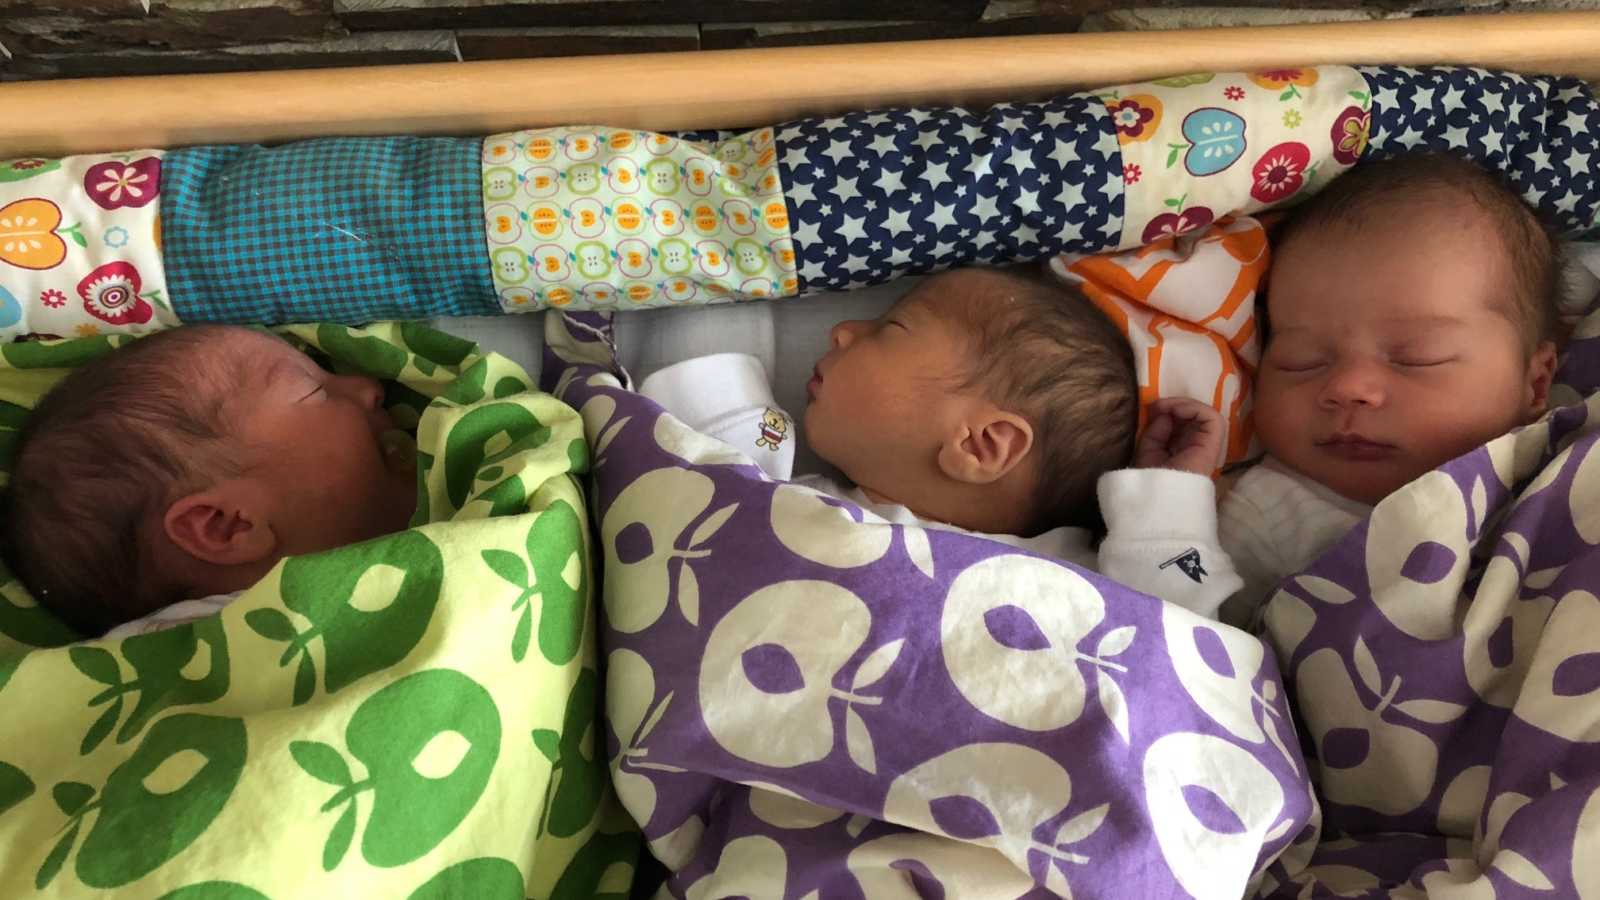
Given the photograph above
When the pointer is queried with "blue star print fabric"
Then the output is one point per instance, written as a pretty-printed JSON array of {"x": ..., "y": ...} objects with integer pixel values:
[
  {"x": 1540, "y": 132},
  {"x": 873, "y": 196}
]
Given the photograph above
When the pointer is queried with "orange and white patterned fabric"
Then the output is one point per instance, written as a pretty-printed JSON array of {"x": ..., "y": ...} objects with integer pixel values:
[{"x": 1188, "y": 306}]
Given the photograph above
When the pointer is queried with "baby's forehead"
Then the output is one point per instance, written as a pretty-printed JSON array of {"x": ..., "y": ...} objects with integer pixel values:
[
  {"x": 1423, "y": 234},
  {"x": 965, "y": 297},
  {"x": 251, "y": 359},
  {"x": 264, "y": 344},
  {"x": 1441, "y": 216}
]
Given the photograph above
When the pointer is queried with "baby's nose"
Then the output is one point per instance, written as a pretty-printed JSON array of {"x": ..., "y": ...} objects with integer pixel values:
[
  {"x": 1354, "y": 385},
  {"x": 844, "y": 332},
  {"x": 365, "y": 391}
]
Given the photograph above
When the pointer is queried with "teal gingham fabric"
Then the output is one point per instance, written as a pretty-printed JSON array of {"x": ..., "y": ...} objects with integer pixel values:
[{"x": 335, "y": 230}]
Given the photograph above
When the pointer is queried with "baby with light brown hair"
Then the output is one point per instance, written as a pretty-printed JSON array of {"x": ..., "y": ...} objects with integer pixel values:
[
  {"x": 985, "y": 399},
  {"x": 994, "y": 403}
]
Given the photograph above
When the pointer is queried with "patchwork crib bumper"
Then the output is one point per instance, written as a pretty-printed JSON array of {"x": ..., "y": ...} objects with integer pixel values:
[
  {"x": 357, "y": 229},
  {"x": 409, "y": 717}
]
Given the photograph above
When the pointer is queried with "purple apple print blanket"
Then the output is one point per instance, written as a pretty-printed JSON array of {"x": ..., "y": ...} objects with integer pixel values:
[
  {"x": 806, "y": 701},
  {"x": 1444, "y": 663}
]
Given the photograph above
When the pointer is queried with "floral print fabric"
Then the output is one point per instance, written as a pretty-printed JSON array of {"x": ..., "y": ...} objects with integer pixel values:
[
  {"x": 80, "y": 246},
  {"x": 1198, "y": 147}
]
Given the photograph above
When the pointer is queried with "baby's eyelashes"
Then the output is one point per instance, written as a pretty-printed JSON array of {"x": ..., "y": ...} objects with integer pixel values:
[
  {"x": 1296, "y": 365},
  {"x": 1412, "y": 356},
  {"x": 311, "y": 387}
]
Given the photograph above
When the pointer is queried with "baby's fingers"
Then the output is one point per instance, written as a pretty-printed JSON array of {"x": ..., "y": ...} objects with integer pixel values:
[
  {"x": 1167, "y": 406},
  {"x": 1159, "y": 428},
  {"x": 1190, "y": 410},
  {"x": 1158, "y": 432}
]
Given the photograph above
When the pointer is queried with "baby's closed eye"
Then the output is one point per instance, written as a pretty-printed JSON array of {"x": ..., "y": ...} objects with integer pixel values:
[
  {"x": 312, "y": 387},
  {"x": 1422, "y": 356}
]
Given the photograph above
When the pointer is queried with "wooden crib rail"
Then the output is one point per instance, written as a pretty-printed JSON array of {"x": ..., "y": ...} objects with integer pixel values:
[{"x": 734, "y": 88}]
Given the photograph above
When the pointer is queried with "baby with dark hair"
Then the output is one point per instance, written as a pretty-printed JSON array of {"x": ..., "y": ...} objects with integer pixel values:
[
  {"x": 1410, "y": 318},
  {"x": 183, "y": 466}
]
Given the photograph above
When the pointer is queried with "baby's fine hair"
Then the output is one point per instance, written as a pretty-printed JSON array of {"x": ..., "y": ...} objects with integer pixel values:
[
  {"x": 1046, "y": 352},
  {"x": 1375, "y": 190},
  {"x": 98, "y": 462}
]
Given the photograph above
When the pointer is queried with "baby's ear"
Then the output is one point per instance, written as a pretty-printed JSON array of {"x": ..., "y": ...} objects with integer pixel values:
[
  {"x": 1541, "y": 372},
  {"x": 986, "y": 446},
  {"x": 220, "y": 525}
]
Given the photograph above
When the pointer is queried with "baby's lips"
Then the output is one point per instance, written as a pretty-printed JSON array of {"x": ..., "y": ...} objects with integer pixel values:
[{"x": 399, "y": 450}]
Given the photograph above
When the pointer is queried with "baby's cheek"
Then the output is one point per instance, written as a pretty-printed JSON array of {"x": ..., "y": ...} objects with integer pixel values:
[
  {"x": 1274, "y": 418},
  {"x": 1459, "y": 438},
  {"x": 832, "y": 437}
]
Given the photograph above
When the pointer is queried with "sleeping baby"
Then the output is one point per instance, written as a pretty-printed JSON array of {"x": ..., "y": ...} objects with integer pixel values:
[
  {"x": 986, "y": 402},
  {"x": 1410, "y": 315},
  {"x": 176, "y": 471}
]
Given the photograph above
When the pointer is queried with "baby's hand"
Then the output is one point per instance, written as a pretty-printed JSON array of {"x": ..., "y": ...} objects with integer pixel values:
[{"x": 1182, "y": 434}]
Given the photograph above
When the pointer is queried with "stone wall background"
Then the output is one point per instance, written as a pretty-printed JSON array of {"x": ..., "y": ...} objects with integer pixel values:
[{"x": 78, "y": 38}]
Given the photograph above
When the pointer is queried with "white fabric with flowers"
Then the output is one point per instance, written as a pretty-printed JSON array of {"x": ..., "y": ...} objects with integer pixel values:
[
  {"x": 1198, "y": 147},
  {"x": 80, "y": 246}
]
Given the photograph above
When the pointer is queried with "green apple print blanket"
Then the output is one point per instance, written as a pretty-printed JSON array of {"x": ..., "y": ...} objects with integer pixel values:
[{"x": 409, "y": 717}]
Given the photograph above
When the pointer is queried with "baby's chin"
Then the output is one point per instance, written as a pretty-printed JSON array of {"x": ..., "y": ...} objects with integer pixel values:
[
  {"x": 817, "y": 437},
  {"x": 397, "y": 512},
  {"x": 400, "y": 501},
  {"x": 1366, "y": 482}
]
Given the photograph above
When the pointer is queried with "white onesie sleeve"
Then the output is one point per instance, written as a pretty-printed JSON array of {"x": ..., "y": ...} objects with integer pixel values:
[
  {"x": 727, "y": 396},
  {"x": 1162, "y": 538}
]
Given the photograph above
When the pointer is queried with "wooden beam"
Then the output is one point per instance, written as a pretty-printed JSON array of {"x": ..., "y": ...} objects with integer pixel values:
[{"x": 736, "y": 88}]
